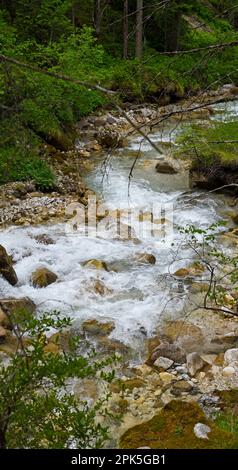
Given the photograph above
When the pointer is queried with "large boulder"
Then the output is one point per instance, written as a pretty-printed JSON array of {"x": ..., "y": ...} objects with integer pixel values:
[
  {"x": 43, "y": 277},
  {"x": 185, "y": 334},
  {"x": 6, "y": 269},
  {"x": 15, "y": 307},
  {"x": 166, "y": 166}
]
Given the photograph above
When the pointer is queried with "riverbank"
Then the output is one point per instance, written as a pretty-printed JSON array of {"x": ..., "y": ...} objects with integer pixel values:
[{"x": 101, "y": 134}]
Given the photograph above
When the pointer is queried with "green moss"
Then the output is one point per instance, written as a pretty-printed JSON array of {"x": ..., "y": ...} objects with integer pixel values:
[{"x": 173, "y": 428}]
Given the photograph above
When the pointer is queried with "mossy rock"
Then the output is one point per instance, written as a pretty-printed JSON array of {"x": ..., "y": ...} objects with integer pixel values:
[{"x": 173, "y": 428}]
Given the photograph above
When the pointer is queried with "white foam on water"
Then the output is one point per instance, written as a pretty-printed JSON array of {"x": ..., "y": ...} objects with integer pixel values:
[{"x": 139, "y": 294}]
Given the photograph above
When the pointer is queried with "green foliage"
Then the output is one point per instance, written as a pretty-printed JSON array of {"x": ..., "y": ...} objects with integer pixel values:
[
  {"x": 227, "y": 422},
  {"x": 37, "y": 408},
  {"x": 58, "y": 35},
  {"x": 207, "y": 145},
  {"x": 220, "y": 267},
  {"x": 18, "y": 166}
]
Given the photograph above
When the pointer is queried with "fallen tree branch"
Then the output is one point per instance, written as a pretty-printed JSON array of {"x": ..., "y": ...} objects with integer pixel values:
[
  {"x": 199, "y": 49},
  {"x": 59, "y": 76},
  {"x": 222, "y": 141}
]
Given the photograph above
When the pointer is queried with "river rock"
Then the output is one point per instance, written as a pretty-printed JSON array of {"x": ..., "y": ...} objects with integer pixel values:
[
  {"x": 44, "y": 239},
  {"x": 163, "y": 363},
  {"x": 145, "y": 258},
  {"x": 229, "y": 339},
  {"x": 165, "y": 168},
  {"x": 43, "y": 277},
  {"x": 168, "y": 350},
  {"x": 231, "y": 357},
  {"x": 194, "y": 363},
  {"x": 95, "y": 328},
  {"x": 99, "y": 287},
  {"x": 6, "y": 269},
  {"x": 182, "y": 386},
  {"x": 166, "y": 378},
  {"x": 228, "y": 371},
  {"x": 96, "y": 264},
  {"x": 201, "y": 431},
  {"x": 182, "y": 272},
  {"x": 21, "y": 307},
  {"x": 185, "y": 334},
  {"x": 109, "y": 138},
  {"x": 3, "y": 334},
  {"x": 196, "y": 269}
]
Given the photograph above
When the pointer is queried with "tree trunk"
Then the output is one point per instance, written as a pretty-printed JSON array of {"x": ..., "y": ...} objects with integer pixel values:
[
  {"x": 125, "y": 30},
  {"x": 97, "y": 16},
  {"x": 139, "y": 29}
]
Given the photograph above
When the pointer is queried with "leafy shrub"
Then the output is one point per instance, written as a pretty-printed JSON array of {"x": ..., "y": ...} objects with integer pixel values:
[
  {"x": 37, "y": 408},
  {"x": 18, "y": 166}
]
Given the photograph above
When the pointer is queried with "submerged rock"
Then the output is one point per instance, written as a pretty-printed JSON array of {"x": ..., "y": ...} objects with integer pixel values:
[
  {"x": 43, "y": 277},
  {"x": 44, "y": 239},
  {"x": 6, "y": 269}
]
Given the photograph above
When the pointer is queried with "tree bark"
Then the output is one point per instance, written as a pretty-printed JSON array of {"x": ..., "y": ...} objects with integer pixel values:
[
  {"x": 125, "y": 30},
  {"x": 139, "y": 29},
  {"x": 97, "y": 16}
]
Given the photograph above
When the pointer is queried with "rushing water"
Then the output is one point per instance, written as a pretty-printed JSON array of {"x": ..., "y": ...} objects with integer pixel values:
[{"x": 139, "y": 293}]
